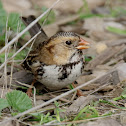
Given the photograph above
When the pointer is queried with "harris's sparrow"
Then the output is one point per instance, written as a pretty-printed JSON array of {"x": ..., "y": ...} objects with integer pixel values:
[{"x": 56, "y": 61}]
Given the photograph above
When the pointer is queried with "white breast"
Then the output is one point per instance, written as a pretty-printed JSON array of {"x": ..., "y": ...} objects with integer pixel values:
[{"x": 56, "y": 77}]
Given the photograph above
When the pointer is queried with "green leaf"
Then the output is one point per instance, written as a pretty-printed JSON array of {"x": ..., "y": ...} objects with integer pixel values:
[
  {"x": 71, "y": 86},
  {"x": 80, "y": 113},
  {"x": 116, "y": 30},
  {"x": 13, "y": 21},
  {"x": 87, "y": 110},
  {"x": 89, "y": 15},
  {"x": 108, "y": 113},
  {"x": 21, "y": 55},
  {"x": 19, "y": 100},
  {"x": 110, "y": 103},
  {"x": 3, "y": 104},
  {"x": 124, "y": 93},
  {"x": 117, "y": 98},
  {"x": 42, "y": 117},
  {"x": 122, "y": 96},
  {"x": 88, "y": 58},
  {"x": 37, "y": 116}
]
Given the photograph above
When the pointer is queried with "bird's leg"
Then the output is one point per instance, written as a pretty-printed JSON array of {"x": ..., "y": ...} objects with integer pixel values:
[
  {"x": 29, "y": 91},
  {"x": 79, "y": 92}
]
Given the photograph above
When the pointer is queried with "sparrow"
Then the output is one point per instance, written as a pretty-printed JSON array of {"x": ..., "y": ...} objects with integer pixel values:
[{"x": 56, "y": 61}]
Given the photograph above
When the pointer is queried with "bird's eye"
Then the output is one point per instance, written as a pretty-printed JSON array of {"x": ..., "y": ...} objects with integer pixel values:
[{"x": 68, "y": 42}]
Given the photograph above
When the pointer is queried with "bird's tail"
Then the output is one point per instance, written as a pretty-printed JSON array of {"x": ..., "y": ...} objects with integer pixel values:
[{"x": 35, "y": 29}]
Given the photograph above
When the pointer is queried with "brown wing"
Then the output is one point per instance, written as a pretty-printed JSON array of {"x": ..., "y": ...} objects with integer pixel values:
[
  {"x": 30, "y": 60},
  {"x": 39, "y": 42}
]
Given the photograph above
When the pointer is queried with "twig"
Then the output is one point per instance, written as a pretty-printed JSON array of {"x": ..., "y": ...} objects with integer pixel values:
[
  {"x": 28, "y": 27},
  {"x": 30, "y": 86},
  {"x": 73, "y": 97},
  {"x": 5, "y": 66},
  {"x": 6, "y": 56},
  {"x": 48, "y": 124},
  {"x": 98, "y": 89},
  {"x": 54, "y": 99},
  {"x": 20, "y": 49},
  {"x": 62, "y": 99},
  {"x": 58, "y": 91},
  {"x": 12, "y": 64},
  {"x": 25, "y": 123}
]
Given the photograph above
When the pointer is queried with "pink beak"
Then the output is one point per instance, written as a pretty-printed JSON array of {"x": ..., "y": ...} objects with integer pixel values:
[{"x": 83, "y": 44}]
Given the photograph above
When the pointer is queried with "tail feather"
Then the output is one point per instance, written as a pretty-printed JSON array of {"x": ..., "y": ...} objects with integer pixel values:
[{"x": 35, "y": 29}]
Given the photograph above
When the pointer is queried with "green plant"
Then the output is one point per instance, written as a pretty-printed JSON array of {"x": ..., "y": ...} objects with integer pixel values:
[
  {"x": 118, "y": 11},
  {"x": 3, "y": 104},
  {"x": 16, "y": 100},
  {"x": 57, "y": 111},
  {"x": 87, "y": 112},
  {"x": 116, "y": 30},
  {"x": 85, "y": 6},
  {"x": 71, "y": 86},
  {"x": 122, "y": 96},
  {"x": 88, "y": 58},
  {"x": 111, "y": 104},
  {"x": 42, "y": 118},
  {"x": 13, "y": 21},
  {"x": 45, "y": 118},
  {"x": 19, "y": 56}
]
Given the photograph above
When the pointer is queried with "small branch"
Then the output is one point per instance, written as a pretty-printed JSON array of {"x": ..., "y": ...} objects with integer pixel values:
[{"x": 20, "y": 50}]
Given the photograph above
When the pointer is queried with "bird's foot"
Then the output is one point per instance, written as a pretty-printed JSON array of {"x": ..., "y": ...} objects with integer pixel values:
[
  {"x": 29, "y": 92},
  {"x": 79, "y": 92}
]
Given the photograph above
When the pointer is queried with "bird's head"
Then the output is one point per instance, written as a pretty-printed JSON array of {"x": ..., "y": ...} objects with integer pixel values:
[
  {"x": 63, "y": 45},
  {"x": 67, "y": 40}
]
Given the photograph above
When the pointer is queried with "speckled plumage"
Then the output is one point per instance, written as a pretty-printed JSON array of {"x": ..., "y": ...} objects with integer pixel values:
[
  {"x": 56, "y": 62},
  {"x": 55, "y": 77}
]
